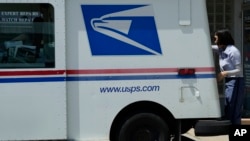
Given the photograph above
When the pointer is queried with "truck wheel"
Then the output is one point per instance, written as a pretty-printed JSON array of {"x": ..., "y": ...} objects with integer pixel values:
[
  {"x": 144, "y": 127},
  {"x": 186, "y": 125}
]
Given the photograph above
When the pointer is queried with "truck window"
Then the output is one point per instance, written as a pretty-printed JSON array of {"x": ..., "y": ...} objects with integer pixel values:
[{"x": 27, "y": 35}]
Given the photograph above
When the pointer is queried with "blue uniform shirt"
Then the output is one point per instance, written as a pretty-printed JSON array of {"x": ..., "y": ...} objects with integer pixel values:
[{"x": 230, "y": 60}]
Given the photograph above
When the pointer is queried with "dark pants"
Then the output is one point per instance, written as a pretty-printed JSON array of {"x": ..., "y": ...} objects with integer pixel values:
[{"x": 234, "y": 95}]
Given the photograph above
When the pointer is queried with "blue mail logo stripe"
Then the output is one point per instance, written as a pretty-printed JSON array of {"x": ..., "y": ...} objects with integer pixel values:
[{"x": 121, "y": 29}]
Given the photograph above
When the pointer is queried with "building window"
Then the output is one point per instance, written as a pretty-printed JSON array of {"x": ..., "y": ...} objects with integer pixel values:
[
  {"x": 26, "y": 35},
  {"x": 220, "y": 15}
]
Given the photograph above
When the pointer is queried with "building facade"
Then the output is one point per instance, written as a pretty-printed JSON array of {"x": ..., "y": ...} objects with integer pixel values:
[{"x": 234, "y": 15}]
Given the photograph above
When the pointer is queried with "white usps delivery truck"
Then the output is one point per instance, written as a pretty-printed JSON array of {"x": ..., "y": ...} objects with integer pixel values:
[{"x": 104, "y": 70}]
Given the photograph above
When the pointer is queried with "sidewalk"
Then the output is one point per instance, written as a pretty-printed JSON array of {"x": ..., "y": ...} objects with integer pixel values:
[{"x": 190, "y": 134}]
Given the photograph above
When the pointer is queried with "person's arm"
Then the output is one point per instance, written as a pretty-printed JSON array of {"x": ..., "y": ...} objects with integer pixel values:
[
  {"x": 235, "y": 71},
  {"x": 215, "y": 48}
]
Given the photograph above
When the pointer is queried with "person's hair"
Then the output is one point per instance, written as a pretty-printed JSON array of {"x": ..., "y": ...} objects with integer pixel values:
[{"x": 224, "y": 37}]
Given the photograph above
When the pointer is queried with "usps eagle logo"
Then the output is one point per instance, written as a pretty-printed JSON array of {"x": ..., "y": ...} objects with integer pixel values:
[{"x": 121, "y": 29}]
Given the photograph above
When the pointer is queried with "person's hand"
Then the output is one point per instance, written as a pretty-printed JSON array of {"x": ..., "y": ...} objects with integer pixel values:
[{"x": 221, "y": 76}]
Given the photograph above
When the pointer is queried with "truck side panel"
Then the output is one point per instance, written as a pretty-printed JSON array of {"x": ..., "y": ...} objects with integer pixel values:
[{"x": 131, "y": 51}]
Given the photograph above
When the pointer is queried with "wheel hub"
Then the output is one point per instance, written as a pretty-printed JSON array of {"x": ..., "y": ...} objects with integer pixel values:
[{"x": 144, "y": 135}]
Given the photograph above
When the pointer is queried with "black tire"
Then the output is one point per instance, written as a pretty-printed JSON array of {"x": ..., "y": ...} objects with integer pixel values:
[
  {"x": 187, "y": 125},
  {"x": 144, "y": 127}
]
